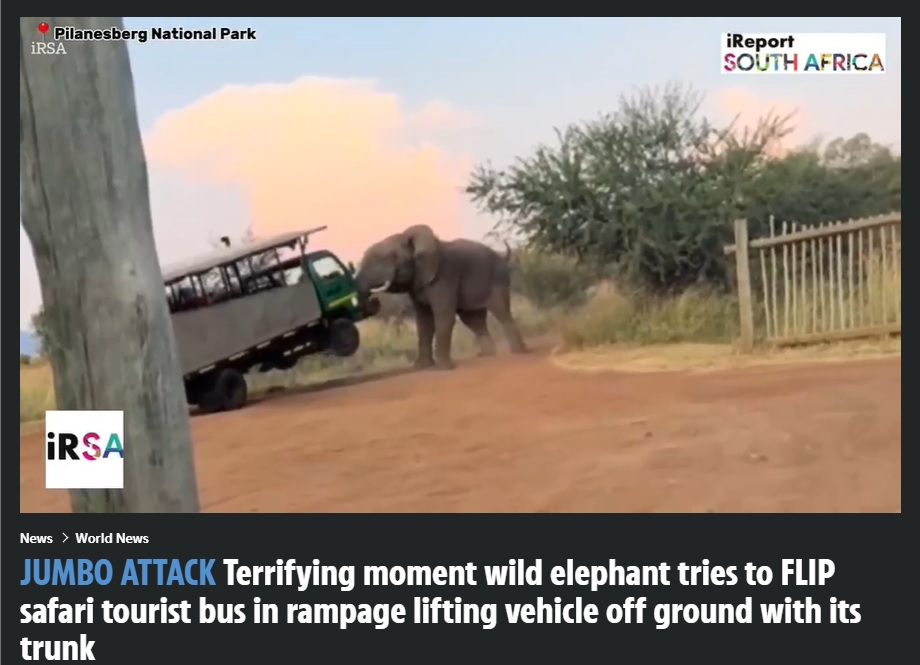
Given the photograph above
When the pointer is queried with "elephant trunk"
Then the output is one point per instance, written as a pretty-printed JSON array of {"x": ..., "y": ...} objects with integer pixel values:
[
  {"x": 366, "y": 289},
  {"x": 373, "y": 277},
  {"x": 367, "y": 304}
]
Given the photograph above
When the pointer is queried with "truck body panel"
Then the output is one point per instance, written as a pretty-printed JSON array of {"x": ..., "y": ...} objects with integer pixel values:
[{"x": 212, "y": 334}]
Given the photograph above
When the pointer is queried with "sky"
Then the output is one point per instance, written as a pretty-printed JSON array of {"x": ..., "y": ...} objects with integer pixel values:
[{"x": 369, "y": 125}]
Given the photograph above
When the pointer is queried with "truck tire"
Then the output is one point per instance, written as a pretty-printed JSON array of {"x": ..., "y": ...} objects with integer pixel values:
[
  {"x": 344, "y": 338},
  {"x": 228, "y": 392},
  {"x": 192, "y": 392}
]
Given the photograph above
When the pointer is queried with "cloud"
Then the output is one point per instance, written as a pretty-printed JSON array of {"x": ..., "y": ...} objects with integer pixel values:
[
  {"x": 440, "y": 115},
  {"x": 749, "y": 107},
  {"x": 322, "y": 151}
]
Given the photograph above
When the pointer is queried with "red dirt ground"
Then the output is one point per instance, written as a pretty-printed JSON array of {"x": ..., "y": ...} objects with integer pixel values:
[{"x": 517, "y": 434}]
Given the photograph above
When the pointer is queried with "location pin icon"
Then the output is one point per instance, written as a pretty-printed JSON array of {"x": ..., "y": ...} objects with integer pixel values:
[{"x": 42, "y": 29}]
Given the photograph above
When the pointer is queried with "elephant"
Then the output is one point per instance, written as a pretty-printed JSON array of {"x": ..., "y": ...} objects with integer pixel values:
[
  {"x": 444, "y": 279},
  {"x": 395, "y": 309}
]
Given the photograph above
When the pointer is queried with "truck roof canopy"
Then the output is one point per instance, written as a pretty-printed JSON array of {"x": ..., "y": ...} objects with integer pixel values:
[{"x": 232, "y": 254}]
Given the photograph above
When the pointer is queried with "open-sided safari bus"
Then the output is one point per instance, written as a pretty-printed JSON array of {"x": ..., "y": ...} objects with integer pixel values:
[{"x": 260, "y": 305}]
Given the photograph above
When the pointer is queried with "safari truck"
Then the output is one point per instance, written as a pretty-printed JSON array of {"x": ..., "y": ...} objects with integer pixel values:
[{"x": 261, "y": 305}]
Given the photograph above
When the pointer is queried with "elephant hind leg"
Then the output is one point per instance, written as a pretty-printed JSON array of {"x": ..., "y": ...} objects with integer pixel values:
[
  {"x": 500, "y": 305},
  {"x": 476, "y": 321}
]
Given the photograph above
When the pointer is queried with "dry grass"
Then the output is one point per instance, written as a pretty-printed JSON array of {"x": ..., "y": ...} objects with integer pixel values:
[
  {"x": 384, "y": 347},
  {"x": 36, "y": 391},
  {"x": 608, "y": 330},
  {"x": 695, "y": 331},
  {"x": 614, "y": 317},
  {"x": 862, "y": 293}
]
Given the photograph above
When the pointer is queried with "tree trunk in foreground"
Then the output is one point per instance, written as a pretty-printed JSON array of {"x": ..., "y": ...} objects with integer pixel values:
[{"x": 85, "y": 207}]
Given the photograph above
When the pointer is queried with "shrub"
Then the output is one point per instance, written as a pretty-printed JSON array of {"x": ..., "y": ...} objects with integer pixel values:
[
  {"x": 612, "y": 317},
  {"x": 548, "y": 280}
]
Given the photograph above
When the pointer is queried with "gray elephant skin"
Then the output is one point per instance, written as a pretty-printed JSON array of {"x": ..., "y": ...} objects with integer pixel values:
[
  {"x": 395, "y": 309},
  {"x": 444, "y": 280}
]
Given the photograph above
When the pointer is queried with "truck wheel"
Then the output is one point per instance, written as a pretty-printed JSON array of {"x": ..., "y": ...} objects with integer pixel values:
[
  {"x": 228, "y": 392},
  {"x": 344, "y": 338},
  {"x": 192, "y": 393}
]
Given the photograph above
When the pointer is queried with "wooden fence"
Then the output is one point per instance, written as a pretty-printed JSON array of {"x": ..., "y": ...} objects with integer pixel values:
[{"x": 828, "y": 282}]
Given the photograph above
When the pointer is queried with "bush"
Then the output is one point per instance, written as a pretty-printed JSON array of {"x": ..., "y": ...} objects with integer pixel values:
[
  {"x": 650, "y": 190},
  {"x": 42, "y": 332},
  {"x": 550, "y": 280},
  {"x": 24, "y": 359},
  {"x": 612, "y": 317}
]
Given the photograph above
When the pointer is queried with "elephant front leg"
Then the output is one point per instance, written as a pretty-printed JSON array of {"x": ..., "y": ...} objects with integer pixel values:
[
  {"x": 443, "y": 332},
  {"x": 424, "y": 326}
]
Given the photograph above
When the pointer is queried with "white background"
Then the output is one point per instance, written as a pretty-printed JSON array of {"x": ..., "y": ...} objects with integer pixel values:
[
  {"x": 103, "y": 473},
  {"x": 807, "y": 43}
]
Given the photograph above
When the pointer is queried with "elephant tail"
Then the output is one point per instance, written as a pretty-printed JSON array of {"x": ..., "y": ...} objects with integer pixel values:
[{"x": 507, "y": 251}]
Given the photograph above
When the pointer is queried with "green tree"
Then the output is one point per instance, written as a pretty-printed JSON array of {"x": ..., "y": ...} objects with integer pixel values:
[
  {"x": 846, "y": 179},
  {"x": 646, "y": 190},
  {"x": 550, "y": 280},
  {"x": 871, "y": 172},
  {"x": 649, "y": 191},
  {"x": 42, "y": 331}
]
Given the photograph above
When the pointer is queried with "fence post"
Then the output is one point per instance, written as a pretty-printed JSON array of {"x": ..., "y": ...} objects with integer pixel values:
[{"x": 745, "y": 300}]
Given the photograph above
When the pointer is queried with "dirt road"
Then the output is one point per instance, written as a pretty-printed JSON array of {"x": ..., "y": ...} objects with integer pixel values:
[{"x": 517, "y": 434}]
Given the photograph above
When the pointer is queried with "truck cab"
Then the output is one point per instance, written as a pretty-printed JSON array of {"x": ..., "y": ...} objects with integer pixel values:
[{"x": 334, "y": 282}]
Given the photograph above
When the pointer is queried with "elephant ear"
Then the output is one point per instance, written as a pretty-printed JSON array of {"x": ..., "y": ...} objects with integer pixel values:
[{"x": 426, "y": 252}]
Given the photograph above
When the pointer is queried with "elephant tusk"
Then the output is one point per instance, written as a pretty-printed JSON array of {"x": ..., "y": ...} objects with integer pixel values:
[{"x": 383, "y": 287}]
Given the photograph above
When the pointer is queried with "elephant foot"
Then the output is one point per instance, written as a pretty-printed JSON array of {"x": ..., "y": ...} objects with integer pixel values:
[
  {"x": 444, "y": 364},
  {"x": 519, "y": 349},
  {"x": 423, "y": 363},
  {"x": 486, "y": 351}
]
